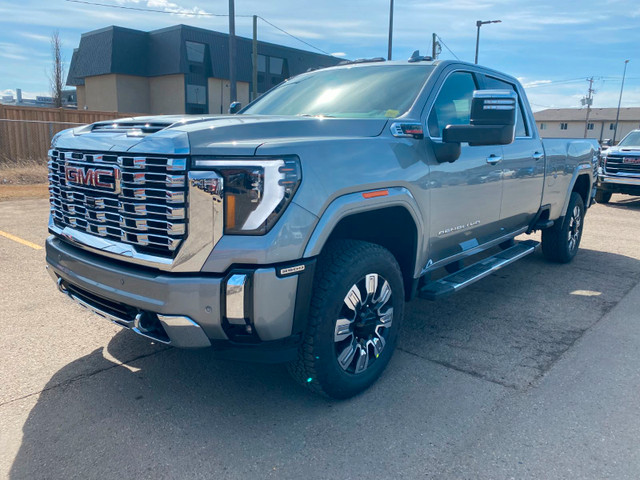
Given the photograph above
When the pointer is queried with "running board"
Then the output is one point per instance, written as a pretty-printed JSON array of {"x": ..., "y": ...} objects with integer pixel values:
[{"x": 471, "y": 274}]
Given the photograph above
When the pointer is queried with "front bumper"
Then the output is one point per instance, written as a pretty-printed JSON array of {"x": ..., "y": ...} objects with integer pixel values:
[
  {"x": 619, "y": 184},
  {"x": 185, "y": 310}
]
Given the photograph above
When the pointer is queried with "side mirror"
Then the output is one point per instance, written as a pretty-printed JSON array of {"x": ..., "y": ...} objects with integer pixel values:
[
  {"x": 493, "y": 120},
  {"x": 234, "y": 107}
]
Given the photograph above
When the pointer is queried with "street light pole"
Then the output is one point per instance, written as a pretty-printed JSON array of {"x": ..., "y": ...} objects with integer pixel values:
[
  {"x": 390, "y": 29},
  {"x": 479, "y": 23},
  {"x": 232, "y": 53},
  {"x": 615, "y": 130}
]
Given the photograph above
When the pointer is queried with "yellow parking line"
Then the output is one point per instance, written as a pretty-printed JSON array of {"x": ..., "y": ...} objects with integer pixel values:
[{"x": 20, "y": 240}]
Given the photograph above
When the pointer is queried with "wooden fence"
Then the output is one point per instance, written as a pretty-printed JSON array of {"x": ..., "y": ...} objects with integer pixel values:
[{"x": 26, "y": 132}]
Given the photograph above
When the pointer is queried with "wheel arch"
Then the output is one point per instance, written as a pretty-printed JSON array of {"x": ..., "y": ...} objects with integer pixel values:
[
  {"x": 582, "y": 183},
  {"x": 392, "y": 221}
]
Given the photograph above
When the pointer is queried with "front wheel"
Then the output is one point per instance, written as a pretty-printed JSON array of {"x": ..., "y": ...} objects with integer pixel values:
[
  {"x": 602, "y": 196},
  {"x": 356, "y": 311},
  {"x": 560, "y": 243}
]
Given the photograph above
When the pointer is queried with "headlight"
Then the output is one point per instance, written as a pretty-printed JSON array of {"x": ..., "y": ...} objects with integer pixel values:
[{"x": 255, "y": 191}]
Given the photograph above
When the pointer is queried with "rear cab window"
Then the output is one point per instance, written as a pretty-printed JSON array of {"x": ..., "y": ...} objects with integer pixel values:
[{"x": 491, "y": 83}]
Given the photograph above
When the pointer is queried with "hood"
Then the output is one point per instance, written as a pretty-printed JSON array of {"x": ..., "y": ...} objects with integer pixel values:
[
  {"x": 622, "y": 150},
  {"x": 210, "y": 135},
  {"x": 243, "y": 134}
]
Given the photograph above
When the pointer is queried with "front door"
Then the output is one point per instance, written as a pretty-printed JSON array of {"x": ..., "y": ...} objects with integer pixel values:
[{"x": 466, "y": 194}]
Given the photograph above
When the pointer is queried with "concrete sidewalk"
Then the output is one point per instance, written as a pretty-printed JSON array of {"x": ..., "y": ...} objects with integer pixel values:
[{"x": 581, "y": 421}]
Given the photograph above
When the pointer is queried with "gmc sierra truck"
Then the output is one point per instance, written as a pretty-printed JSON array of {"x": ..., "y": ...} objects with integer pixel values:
[
  {"x": 619, "y": 171},
  {"x": 295, "y": 230}
]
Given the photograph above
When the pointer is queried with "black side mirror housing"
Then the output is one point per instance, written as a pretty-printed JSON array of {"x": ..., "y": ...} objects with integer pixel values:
[
  {"x": 234, "y": 107},
  {"x": 493, "y": 120}
]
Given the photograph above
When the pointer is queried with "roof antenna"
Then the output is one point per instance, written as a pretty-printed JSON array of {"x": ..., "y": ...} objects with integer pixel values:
[{"x": 415, "y": 57}]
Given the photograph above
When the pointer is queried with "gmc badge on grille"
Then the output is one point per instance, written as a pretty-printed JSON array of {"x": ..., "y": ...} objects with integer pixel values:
[{"x": 104, "y": 178}]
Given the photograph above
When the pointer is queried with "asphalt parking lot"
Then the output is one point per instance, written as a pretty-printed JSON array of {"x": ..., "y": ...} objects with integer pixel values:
[{"x": 533, "y": 372}]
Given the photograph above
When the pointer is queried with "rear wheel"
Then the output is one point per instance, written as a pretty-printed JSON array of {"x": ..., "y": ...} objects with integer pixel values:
[
  {"x": 602, "y": 196},
  {"x": 355, "y": 314},
  {"x": 560, "y": 243}
]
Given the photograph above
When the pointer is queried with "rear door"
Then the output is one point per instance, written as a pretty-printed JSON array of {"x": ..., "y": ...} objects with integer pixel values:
[
  {"x": 522, "y": 166},
  {"x": 466, "y": 194}
]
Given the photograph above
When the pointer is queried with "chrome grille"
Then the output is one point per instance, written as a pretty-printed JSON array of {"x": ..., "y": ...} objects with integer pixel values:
[
  {"x": 615, "y": 164},
  {"x": 142, "y": 202}
]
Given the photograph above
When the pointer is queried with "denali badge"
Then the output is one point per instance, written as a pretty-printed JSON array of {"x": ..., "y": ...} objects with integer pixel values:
[
  {"x": 290, "y": 270},
  {"x": 106, "y": 178}
]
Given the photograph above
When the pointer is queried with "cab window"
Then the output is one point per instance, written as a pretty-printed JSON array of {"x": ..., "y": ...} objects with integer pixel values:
[
  {"x": 493, "y": 83},
  {"x": 453, "y": 104}
]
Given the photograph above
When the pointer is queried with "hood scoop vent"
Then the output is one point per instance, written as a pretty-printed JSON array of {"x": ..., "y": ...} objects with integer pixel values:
[{"x": 132, "y": 129}]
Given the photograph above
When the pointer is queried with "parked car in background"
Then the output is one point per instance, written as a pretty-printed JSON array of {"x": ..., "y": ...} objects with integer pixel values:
[{"x": 619, "y": 170}]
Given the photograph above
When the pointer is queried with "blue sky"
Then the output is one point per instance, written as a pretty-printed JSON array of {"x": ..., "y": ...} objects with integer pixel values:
[{"x": 551, "y": 46}]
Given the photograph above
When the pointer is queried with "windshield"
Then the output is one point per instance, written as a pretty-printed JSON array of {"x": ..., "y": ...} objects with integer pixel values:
[
  {"x": 631, "y": 140},
  {"x": 381, "y": 91}
]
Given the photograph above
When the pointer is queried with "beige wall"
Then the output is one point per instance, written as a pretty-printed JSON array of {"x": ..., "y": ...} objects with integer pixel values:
[
  {"x": 101, "y": 93},
  {"x": 133, "y": 93},
  {"x": 219, "y": 95},
  {"x": 166, "y": 94},
  {"x": 155, "y": 95},
  {"x": 575, "y": 129},
  {"x": 81, "y": 97}
]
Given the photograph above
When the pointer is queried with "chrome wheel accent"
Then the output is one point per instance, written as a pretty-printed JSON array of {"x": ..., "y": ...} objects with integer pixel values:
[
  {"x": 575, "y": 227},
  {"x": 362, "y": 330}
]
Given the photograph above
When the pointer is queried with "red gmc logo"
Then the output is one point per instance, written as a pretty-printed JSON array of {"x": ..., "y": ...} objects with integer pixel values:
[{"x": 93, "y": 177}]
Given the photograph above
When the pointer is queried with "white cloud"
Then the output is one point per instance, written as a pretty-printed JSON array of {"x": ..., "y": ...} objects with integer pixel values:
[
  {"x": 534, "y": 83},
  {"x": 339, "y": 54}
]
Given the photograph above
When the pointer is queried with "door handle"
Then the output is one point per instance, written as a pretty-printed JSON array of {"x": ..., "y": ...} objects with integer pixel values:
[
  {"x": 538, "y": 156},
  {"x": 494, "y": 159}
]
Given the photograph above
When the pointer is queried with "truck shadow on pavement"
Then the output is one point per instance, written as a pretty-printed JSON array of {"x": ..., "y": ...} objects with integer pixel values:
[
  {"x": 185, "y": 414},
  {"x": 625, "y": 202}
]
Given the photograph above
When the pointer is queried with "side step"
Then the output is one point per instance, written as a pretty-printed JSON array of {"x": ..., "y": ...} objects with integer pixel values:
[{"x": 465, "y": 277}]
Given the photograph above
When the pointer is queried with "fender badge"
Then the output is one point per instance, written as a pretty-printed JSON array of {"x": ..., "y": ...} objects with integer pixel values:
[{"x": 289, "y": 270}]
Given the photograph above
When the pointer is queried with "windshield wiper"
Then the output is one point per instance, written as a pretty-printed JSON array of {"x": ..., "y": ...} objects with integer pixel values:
[{"x": 318, "y": 115}]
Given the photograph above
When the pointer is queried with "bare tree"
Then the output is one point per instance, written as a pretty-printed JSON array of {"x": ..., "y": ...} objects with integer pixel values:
[{"x": 56, "y": 77}]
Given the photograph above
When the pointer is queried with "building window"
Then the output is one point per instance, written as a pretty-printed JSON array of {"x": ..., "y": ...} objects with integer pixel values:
[
  {"x": 197, "y": 94},
  {"x": 563, "y": 126},
  {"x": 543, "y": 126},
  {"x": 262, "y": 63},
  {"x": 195, "y": 52},
  {"x": 590, "y": 126},
  {"x": 612, "y": 126},
  {"x": 275, "y": 65}
]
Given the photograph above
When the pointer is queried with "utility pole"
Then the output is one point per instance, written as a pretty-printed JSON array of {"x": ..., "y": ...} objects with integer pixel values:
[
  {"x": 390, "y": 29},
  {"x": 588, "y": 101},
  {"x": 254, "y": 57},
  {"x": 615, "y": 130},
  {"x": 434, "y": 41},
  {"x": 232, "y": 52}
]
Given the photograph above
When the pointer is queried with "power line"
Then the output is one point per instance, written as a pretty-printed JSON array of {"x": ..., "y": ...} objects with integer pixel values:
[
  {"x": 292, "y": 36},
  {"x": 556, "y": 82},
  {"x": 445, "y": 46},
  {"x": 196, "y": 14},
  {"x": 123, "y": 7}
]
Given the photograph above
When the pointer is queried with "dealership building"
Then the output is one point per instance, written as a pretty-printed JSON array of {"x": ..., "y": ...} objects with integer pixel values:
[
  {"x": 179, "y": 69},
  {"x": 570, "y": 122}
]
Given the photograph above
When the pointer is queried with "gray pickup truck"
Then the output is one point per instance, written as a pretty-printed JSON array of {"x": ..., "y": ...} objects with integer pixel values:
[
  {"x": 619, "y": 171},
  {"x": 295, "y": 230}
]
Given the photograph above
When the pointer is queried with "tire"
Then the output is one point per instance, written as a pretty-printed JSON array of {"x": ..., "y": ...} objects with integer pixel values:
[
  {"x": 349, "y": 326},
  {"x": 602, "y": 196},
  {"x": 560, "y": 243}
]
